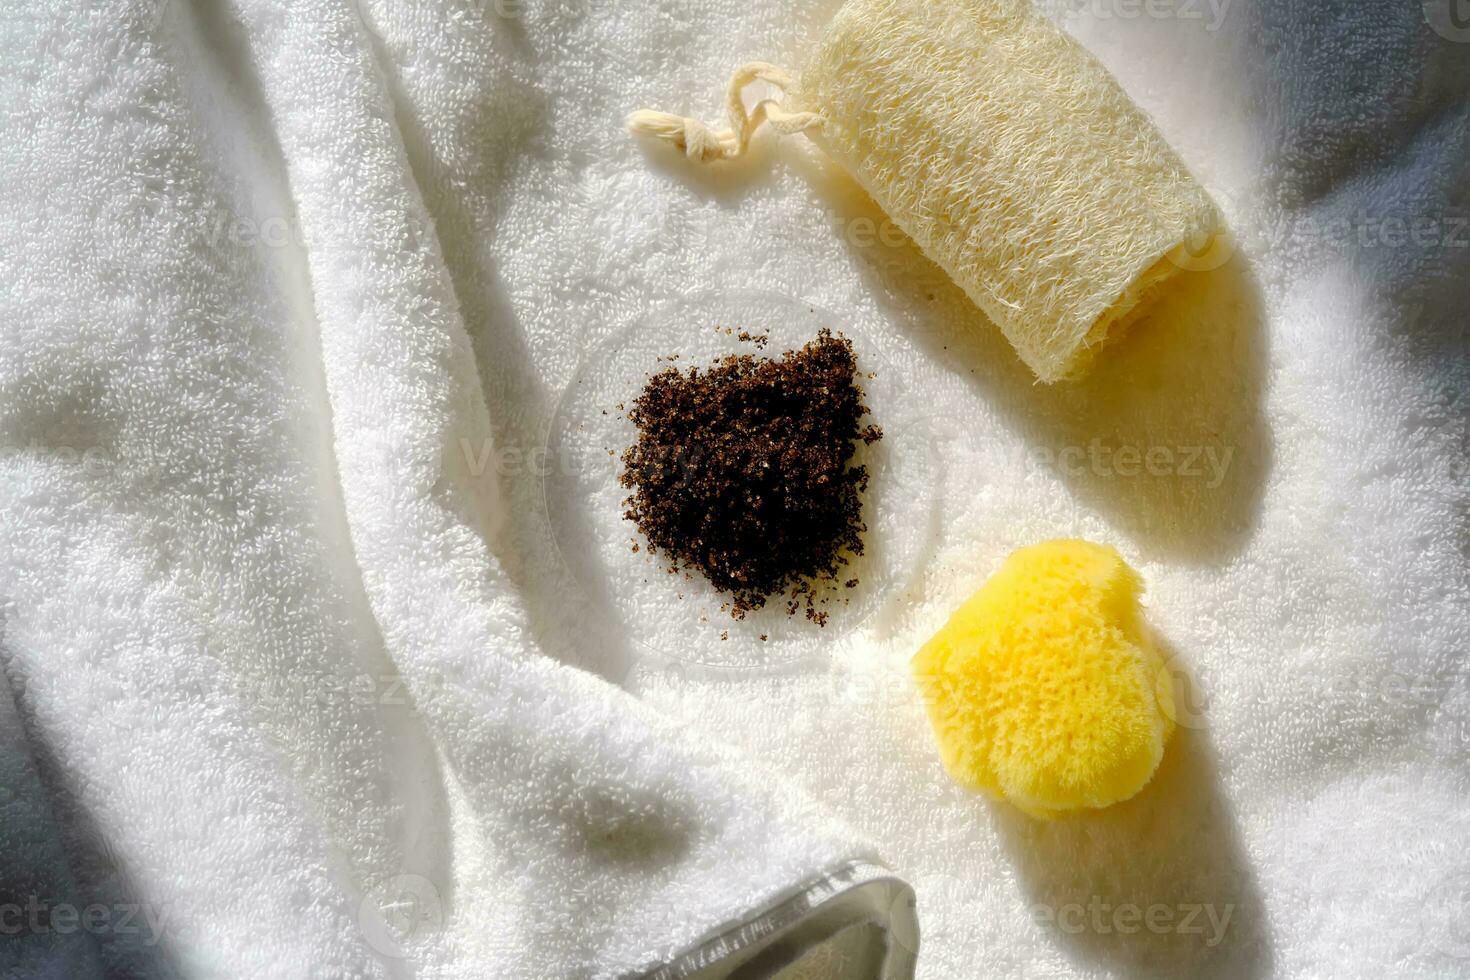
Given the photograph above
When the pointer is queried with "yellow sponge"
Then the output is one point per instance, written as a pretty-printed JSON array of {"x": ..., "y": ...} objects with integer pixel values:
[{"x": 1043, "y": 688}]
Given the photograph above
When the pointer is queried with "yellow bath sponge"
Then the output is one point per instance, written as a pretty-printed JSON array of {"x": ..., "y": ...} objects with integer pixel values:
[{"x": 1043, "y": 688}]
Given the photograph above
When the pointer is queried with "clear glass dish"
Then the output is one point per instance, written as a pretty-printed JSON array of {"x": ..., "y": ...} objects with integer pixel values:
[{"x": 680, "y": 617}]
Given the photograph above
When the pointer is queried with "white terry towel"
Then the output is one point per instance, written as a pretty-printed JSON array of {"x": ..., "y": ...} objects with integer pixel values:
[{"x": 275, "y": 685}]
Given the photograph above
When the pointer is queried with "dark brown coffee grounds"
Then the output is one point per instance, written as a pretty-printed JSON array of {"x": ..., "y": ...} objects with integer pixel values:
[{"x": 743, "y": 471}]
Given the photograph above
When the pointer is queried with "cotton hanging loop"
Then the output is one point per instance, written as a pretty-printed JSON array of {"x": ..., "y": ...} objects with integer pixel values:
[
  {"x": 700, "y": 142},
  {"x": 1002, "y": 148}
]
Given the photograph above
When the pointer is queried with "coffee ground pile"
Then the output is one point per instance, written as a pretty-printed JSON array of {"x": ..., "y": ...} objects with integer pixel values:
[{"x": 743, "y": 472}]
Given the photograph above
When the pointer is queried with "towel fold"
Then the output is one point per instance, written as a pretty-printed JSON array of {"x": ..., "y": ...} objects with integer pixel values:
[{"x": 276, "y": 690}]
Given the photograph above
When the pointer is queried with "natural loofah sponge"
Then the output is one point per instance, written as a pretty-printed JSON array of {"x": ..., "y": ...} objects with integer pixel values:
[
  {"x": 1003, "y": 148},
  {"x": 1044, "y": 689}
]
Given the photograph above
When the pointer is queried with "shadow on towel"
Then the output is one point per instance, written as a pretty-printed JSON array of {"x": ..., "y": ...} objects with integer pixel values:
[
  {"x": 56, "y": 866},
  {"x": 496, "y": 118},
  {"x": 1374, "y": 128},
  {"x": 1158, "y": 885},
  {"x": 1165, "y": 438},
  {"x": 760, "y": 167}
]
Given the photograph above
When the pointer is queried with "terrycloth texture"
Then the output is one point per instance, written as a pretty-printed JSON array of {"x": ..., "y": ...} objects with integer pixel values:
[
  {"x": 1301, "y": 532},
  {"x": 1013, "y": 159},
  {"x": 281, "y": 691},
  {"x": 1044, "y": 688}
]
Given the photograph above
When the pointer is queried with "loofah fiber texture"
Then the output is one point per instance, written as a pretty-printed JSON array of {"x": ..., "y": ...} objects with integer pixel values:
[
  {"x": 1013, "y": 159},
  {"x": 1043, "y": 687}
]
